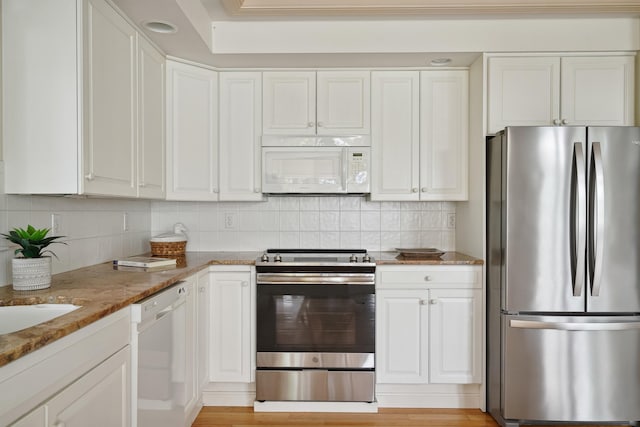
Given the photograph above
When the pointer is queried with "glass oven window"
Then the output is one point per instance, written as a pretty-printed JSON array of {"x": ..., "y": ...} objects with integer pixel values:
[{"x": 318, "y": 318}]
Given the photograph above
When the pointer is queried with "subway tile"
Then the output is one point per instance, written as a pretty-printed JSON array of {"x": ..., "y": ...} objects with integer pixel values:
[
  {"x": 349, "y": 221},
  {"x": 350, "y": 203},
  {"x": 289, "y": 220},
  {"x": 370, "y": 220},
  {"x": 329, "y": 220},
  {"x": 309, "y": 221},
  {"x": 329, "y": 203},
  {"x": 309, "y": 203}
]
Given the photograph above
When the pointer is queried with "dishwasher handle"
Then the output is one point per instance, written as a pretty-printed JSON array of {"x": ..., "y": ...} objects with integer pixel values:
[{"x": 158, "y": 305}]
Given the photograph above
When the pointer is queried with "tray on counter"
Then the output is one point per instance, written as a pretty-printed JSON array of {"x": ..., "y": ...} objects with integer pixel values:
[{"x": 420, "y": 253}]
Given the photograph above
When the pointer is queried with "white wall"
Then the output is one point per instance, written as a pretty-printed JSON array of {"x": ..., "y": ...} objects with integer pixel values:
[
  {"x": 93, "y": 228},
  {"x": 309, "y": 222}
]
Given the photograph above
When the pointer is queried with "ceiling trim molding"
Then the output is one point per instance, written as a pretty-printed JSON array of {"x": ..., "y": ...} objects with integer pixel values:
[{"x": 429, "y": 7}]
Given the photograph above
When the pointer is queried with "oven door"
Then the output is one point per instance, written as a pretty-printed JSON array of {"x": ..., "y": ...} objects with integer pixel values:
[{"x": 316, "y": 325}]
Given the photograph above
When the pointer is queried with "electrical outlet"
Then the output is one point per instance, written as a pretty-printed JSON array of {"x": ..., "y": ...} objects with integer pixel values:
[
  {"x": 230, "y": 221},
  {"x": 451, "y": 220},
  {"x": 125, "y": 221},
  {"x": 55, "y": 224}
]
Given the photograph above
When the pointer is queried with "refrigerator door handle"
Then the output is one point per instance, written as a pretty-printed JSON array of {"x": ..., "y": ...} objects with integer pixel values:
[
  {"x": 578, "y": 219},
  {"x": 597, "y": 219},
  {"x": 574, "y": 326}
]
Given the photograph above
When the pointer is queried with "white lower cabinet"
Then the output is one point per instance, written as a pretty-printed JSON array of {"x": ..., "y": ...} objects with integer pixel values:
[
  {"x": 82, "y": 380},
  {"x": 98, "y": 399},
  {"x": 429, "y": 325},
  {"x": 232, "y": 349}
]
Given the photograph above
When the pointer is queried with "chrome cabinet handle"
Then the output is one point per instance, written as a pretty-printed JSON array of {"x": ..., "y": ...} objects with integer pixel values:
[
  {"x": 556, "y": 122},
  {"x": 414, "y": 190},
  {"x": 320, "y": 124},
  {"x": 565, "y": 121},
  {"x": 424, "y": 189},
  {"x": 424, "y": 302},
  {"x": 427, "y": 278},
  {"x": 311, "y": 124}
]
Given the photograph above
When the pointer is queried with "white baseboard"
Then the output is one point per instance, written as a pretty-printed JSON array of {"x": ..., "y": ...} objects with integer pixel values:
[
  {"x": 387, "y": 396},
  {"x": 428, "y": 396},
  {"x": 360, "y": 407}
]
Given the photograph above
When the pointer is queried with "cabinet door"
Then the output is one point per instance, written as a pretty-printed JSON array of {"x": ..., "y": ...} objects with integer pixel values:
[
  {"x": 344, "y": 102},
  {"x": 597, "y": 91},
  {"x": 444, "y": 117},
  {"x": 240, "y": 131},
  {"x": 230, "y": 343},
  {"x": 100, "y": 398},
  {"x": 289, "y": 103},
  {"x": 203, "y": 328},
  {"x": 523, "y": 92},
  {"x": 151, "y": 126},
  {"x": 455, "y": 325},
  {"x": 402, "y": 336},
  {"x": 395, "y": 135},
  {"x": 35, "y": 418},
  {"x": 109, "y": 102},
  {"x": 192, "y": 154}
]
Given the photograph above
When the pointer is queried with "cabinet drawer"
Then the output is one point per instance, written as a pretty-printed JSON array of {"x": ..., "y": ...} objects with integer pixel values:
[{"x": 432, "y": 277}]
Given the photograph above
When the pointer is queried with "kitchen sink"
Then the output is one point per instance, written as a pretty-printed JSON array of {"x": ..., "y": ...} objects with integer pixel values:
[{"x": 16, "y": 317}]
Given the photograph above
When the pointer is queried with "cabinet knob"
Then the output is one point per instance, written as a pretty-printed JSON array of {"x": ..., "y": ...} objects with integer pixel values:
[
  {"x": 202, "y": 289},
  {"x": 142, "y": 184},
  {"x": 424, "y": 189},
  {"x": 90, "y": 176},
  {"x": 245, "y": 284},
  {"x": 311, "y": 124},
  {"x": 565, "y": 121},
  {"x": 433, "y": 301},
  {"x": 556, "y": 122},
  {"x": 427, "y": 278},
  {"x": 414, "y": 190},
  {"x": 320, "y": 124},
  {"x": 256, "y": 190},
  {"x": 423, "y": 302}
]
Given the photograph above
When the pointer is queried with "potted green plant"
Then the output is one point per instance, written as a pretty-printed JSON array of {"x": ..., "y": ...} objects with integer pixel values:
[{"x": 31, "y": 268}]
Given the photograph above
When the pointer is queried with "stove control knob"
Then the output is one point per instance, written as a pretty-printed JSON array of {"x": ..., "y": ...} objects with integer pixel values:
[
  {"x": 277, "y": 258},
  {"x": 265, "y": 257},
  {"x": 366, "y": 258},
  {"x": 353, "y": 258}
]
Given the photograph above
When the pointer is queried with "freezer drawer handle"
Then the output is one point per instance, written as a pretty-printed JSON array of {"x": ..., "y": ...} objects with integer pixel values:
[{"x": 574, "y": 326}]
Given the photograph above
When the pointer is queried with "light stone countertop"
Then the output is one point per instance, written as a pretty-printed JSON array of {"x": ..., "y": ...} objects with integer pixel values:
[{"x": 101, "y": 290}]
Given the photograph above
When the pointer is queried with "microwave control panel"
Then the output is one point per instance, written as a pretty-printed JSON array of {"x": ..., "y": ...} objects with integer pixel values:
[{"x": 358, "y": 169}]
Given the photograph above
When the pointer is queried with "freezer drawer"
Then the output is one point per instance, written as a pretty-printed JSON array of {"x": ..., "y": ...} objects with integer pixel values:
[{"x": 562, "y": 368}]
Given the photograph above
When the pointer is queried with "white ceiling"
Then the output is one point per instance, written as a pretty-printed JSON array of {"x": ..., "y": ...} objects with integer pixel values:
[{"x": 194, "y": 19}]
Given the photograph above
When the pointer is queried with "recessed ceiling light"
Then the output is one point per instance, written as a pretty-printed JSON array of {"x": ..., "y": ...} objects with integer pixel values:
[
  {"x": 160, "y": 27},
  {"x": 439, "y": 62}
]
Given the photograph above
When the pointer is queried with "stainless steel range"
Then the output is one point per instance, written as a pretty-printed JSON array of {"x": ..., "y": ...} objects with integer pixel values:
[{"x": 316, "y": 325}]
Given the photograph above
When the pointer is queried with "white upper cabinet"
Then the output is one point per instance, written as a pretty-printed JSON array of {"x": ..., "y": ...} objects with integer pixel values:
[
  {"x": 192, "y": 152},
  {"x": 444, "y": 135},
  {"x": 240, "y": 131},
  {"x": 310, "y": 103},
  {"x": 419, "y": 135},
  {"x": 109, "y": 91},
  {"x": 71, "y": 99},
  {"x": 395, "y": 135},
  {"x": 151, "y": 123},
  {"x": 544, "y": 91}
]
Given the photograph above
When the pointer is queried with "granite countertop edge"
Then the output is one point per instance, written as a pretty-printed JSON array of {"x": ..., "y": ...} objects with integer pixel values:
[{"x": 101, "y": 290}]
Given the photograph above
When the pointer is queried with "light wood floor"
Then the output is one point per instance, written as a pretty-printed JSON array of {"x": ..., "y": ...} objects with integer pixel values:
[{"x": 219, "y": 416}]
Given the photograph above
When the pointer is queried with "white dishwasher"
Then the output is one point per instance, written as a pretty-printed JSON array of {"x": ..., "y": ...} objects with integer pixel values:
[{"x": 159, "y": 361}]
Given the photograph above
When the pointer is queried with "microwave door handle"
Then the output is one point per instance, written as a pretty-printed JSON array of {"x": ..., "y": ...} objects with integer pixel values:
[{"x": 345, "y": 170}]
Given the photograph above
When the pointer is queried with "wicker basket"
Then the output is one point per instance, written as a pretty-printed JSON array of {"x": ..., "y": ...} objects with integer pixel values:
[{"x": 168, "y": 248}]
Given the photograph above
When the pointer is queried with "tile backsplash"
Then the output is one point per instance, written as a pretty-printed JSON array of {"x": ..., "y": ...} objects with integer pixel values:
[
  {"x": 93, "y": 228},
  {"x": 309, "y": 222}
]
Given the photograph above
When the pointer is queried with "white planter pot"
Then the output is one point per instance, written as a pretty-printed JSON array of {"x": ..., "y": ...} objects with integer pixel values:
[{"x": 31, "y": 273}]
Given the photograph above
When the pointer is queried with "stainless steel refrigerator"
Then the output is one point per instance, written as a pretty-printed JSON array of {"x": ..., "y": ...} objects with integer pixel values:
[{"x": 563, "y": 275}]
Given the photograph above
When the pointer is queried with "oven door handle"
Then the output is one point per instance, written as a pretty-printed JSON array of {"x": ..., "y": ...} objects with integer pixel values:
[{"x": 316, "y": 278}]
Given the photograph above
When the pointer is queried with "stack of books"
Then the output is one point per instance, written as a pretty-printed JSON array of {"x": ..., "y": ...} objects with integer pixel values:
[{"x": 144, "y": 263}]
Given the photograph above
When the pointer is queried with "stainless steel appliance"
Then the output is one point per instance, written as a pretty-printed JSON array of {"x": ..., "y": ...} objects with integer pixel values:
[
  {"x": 316, "y": 325},
  {"x": 563, "y": 233},
  {"x": 159, "y": 362}
]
